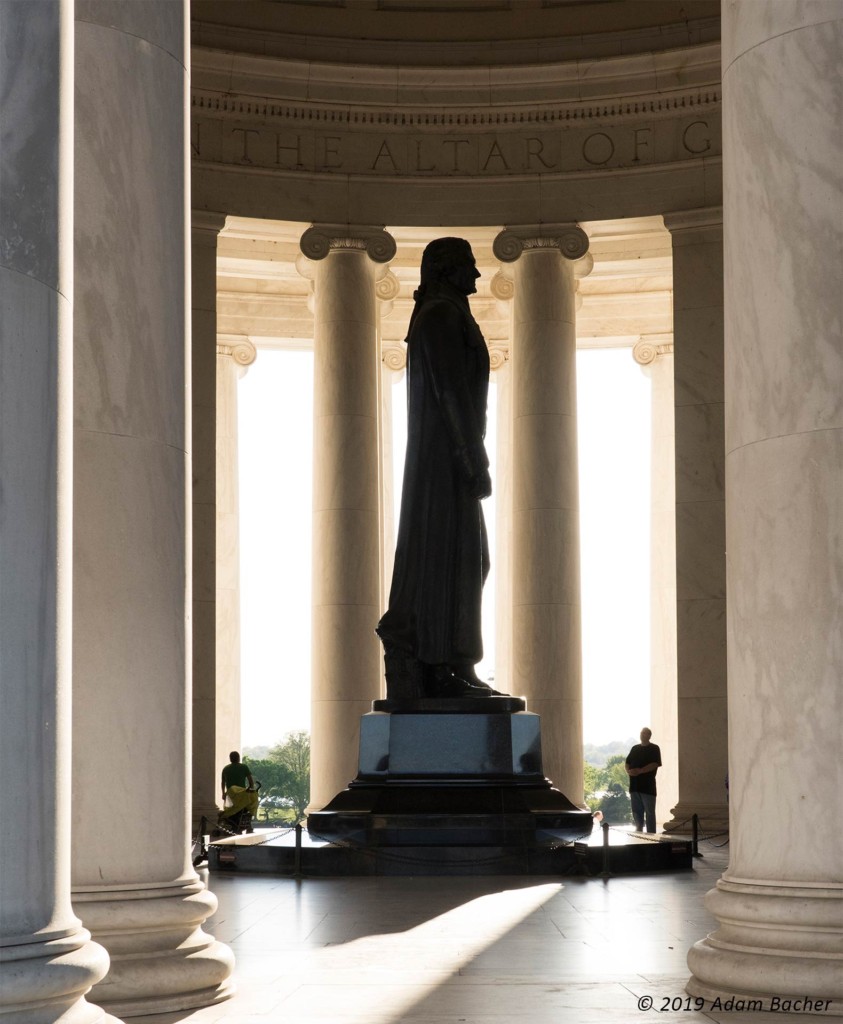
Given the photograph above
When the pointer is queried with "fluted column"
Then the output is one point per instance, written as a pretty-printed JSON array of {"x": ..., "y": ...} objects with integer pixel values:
[
  {"x": 654, "y": 354},
  {"x": 700, "y": 519},
  {"x": 205, "y": 229},
  {"x": 346, "y": 516},
  {"x": 780, "y": 902},
  {"x": 133, "y": 883},
  {"x": 47, "y": 961},
  {"x": 547, "y": 660}
]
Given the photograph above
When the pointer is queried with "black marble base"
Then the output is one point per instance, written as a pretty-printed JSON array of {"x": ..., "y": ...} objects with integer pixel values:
[
  {"x": 458, "y": 780},
  {"x": 452, "y": 705}
]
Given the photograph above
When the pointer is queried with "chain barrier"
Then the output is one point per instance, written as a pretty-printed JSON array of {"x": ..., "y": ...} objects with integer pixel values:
[{"x": 389, "y": 855}]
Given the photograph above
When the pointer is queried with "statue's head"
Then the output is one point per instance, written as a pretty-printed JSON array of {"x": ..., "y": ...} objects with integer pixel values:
[{"x": 451, "y": 260}]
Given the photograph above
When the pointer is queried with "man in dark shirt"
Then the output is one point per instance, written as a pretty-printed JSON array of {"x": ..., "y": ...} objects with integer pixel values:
[{"x": 642, "y": 763}]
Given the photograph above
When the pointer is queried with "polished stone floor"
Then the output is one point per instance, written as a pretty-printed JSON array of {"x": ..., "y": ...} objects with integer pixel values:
[{"x": 485, "y": 950}]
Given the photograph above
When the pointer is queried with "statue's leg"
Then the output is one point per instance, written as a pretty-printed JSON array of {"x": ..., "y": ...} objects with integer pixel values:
[{"x": 404, "y": 674}]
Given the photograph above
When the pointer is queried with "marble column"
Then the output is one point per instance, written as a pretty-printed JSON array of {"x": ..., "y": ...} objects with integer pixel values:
[
  {"x": 502, "y": 288},
  {"x": 547, "y": 640},
  {"x": 133, "y": 882},
  {"x": 235, "y": 354},
  {"x": 780, "y": 902},
  {"x": 47, "y": 961},
  {"x": 205, "y": 229},
  {"x": 654, "y": 354},
  {"x": 346, "y": 661},
  {"x": 700, "y": 519}
]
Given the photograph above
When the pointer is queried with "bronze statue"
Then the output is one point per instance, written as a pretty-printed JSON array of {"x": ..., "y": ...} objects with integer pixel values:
[{"x": 431, "y": 631}]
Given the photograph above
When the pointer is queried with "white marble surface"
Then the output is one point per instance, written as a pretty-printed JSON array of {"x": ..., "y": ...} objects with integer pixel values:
[
  {"x": 700, "y": 518},
  {"x": 131, "y": 491},
  {"x": 780, "y": 904},
  {"x": 46, "y": 956},
  {"x": 546, "y": 662},
  {"x": 346, "y": 661},
  {"x": 474, "y": 950}
]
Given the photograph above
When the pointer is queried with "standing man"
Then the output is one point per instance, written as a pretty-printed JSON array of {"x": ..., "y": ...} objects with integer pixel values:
[{"x": 642, "y": 763}]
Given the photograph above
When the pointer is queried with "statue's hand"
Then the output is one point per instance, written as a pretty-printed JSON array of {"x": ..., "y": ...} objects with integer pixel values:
[{"x": 481, "y": 485}]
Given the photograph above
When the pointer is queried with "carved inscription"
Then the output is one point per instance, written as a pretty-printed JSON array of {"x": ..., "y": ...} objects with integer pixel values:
[{"x": 400, "y": 155}]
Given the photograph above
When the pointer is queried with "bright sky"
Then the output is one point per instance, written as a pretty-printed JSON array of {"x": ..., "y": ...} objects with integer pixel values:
[{"x": 276, "y": 443}]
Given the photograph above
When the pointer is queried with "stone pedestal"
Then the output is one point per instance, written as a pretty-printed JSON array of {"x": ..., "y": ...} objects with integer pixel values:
[
  {"x": 780, "y": 903},
  {"x": 547, "y": 641},
  {"x": 454, "y": 778},
  {"x": 47, "y": 961},
  {"x": 346, "y": 515},
  {"x": 133, "y": 883}
]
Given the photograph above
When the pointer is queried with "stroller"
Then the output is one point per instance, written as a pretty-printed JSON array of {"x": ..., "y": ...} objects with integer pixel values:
[{"x": 232, "y": 820}]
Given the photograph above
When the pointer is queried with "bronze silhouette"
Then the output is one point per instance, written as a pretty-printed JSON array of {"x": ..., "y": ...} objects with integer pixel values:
[{"x": 431, "y": 630}]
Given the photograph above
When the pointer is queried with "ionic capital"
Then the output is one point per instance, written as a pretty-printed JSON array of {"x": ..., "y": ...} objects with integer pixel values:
[
  {"x": 502, "y": 286},
  {"x": 649, "y": 347},
  {"x": 513, "y": 241},
  {"x": 387, "y": 287},
  {"x": 238, "y": 347},
  {"x": 394, "y": 355},
  {"x": 498, "y": 355},
  {"x": 320, "y": 240}
]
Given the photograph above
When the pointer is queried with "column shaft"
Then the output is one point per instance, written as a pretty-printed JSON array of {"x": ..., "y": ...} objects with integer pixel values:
[
  {"x": 139, "y": 896},
  {"x": 700, "y": 519},
  {"x": 547, "y": 663},
  {"x": 780, "y": 903},
  {"x": 206, "y": 751},
  {"x": 346, "y": 515},
  {"x": 47, "y": 962},
  {"x": 655, "y": 355},
  {"x": 234, "y": 355},
  {"x": 503, "y": 545}
]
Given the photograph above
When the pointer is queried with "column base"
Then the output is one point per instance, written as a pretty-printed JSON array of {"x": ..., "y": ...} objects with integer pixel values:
[
  {"x": 161, "y": 960},
  {"x": 42, "y": 982},
  {"x": 776, "y": 943},
  {"x": 713, "y": 819}
]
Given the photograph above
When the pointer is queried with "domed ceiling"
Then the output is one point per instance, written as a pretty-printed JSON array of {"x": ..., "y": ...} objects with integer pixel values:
[{"x": 445, "y": 32}]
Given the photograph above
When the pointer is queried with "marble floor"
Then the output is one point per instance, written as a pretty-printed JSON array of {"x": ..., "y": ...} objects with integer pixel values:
[{"x": 485, "y": 950}]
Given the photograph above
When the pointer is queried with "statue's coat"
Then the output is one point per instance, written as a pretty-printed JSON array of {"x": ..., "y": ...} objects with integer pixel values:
[{"x": 442, "y": 555}]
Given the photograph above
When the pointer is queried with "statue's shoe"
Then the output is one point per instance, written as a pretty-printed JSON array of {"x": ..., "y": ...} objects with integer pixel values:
[
  {"x": 466, "y": 674},
  {"x": 452, "y": 686}
]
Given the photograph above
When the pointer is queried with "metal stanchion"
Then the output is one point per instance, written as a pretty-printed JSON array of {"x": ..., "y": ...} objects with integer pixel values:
[
  {"x": 605, "y": 827},
  {"x": 297, "y": 861},
  {"x": 695, "y": 836}
]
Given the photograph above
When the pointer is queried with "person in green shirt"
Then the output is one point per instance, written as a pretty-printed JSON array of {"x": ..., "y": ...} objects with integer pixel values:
[{"x": 238, "y": 787}]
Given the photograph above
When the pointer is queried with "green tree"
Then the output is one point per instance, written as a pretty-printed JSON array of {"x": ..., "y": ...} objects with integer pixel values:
[
  {"x": 615, "y": 772},
  {"x": 615, "y": 804},
  {"x": 274, "y": 779},
  {"x": 293, "y": 754},
  {"x": 591, "y": 780}
]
